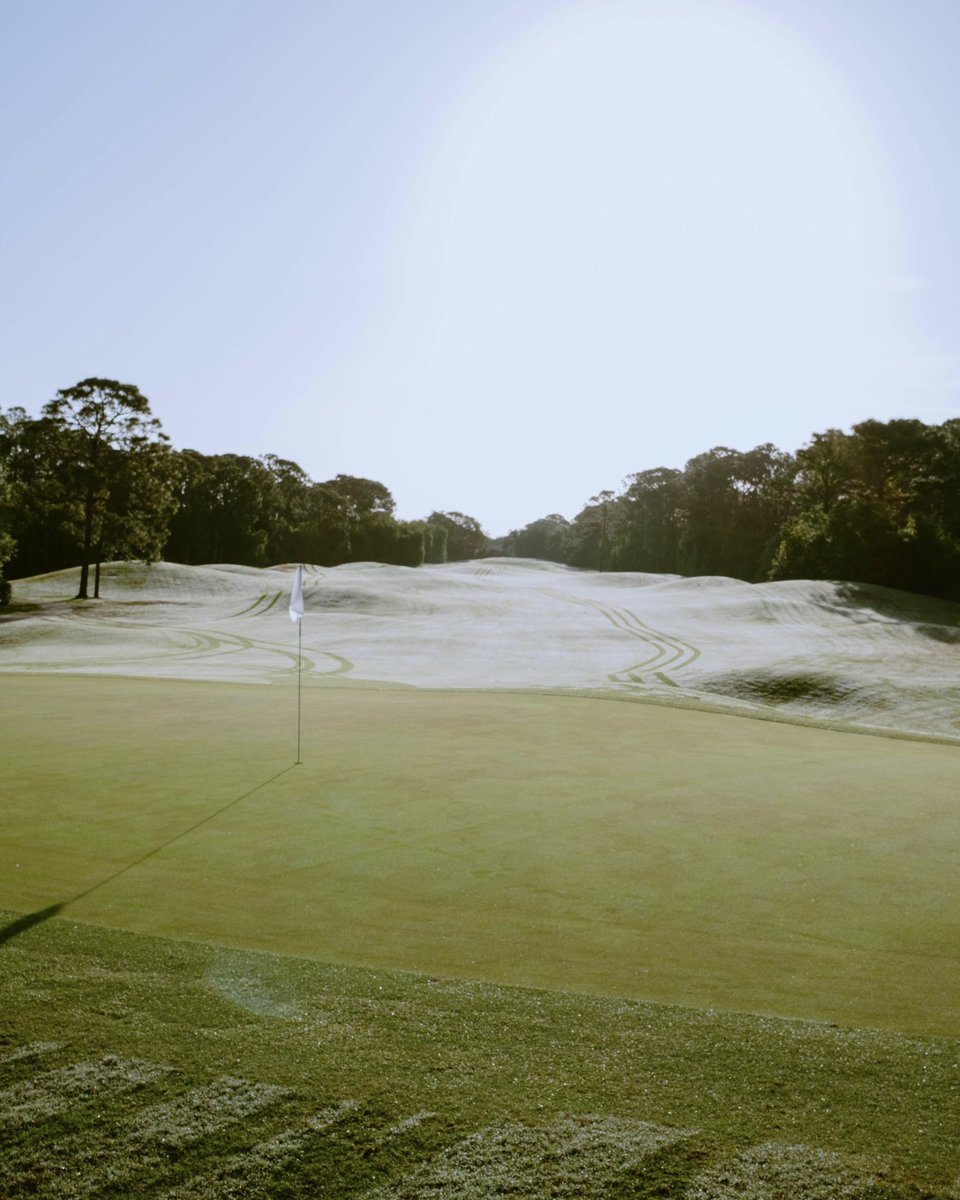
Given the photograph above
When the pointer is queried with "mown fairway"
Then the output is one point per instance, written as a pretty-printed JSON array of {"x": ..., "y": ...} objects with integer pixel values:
[{"x": 576, "y": 844}]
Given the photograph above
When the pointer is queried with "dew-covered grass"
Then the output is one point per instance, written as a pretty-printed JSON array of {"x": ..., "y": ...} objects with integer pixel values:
[
  {"x": 815, "y": 651},
  {"x": 397, "y": 1086}
]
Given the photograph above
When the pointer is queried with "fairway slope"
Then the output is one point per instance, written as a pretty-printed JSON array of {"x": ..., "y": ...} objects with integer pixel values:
[{"x": 859, "y": 656}]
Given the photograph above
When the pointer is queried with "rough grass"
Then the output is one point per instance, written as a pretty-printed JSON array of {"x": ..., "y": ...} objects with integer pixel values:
[{"x": 395, "y": 1086}]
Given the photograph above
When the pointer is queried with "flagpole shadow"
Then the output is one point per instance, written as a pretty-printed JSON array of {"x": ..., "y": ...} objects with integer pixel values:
[{"x": 24, "y": 923}]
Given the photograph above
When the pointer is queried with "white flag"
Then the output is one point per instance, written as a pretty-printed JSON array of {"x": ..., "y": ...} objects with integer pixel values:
[{"x": 296, "y": 596}]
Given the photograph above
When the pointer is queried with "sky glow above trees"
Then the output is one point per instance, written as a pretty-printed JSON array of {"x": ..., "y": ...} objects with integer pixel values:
[{"x": 498, "y": 255}]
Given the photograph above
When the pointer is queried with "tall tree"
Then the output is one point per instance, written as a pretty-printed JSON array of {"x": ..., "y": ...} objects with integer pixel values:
[
  {"x": 289, "y": 508},
  {"x": 324, "y": 537},
  {"x": 366, "y": 508},
  {"x": 226, "y": 506},
  {"x": 592, "y": 532},
  {"x": 139, "y": 505},
  {"x": 465, "y": 536},
  {"x": 381, "y": 538},
  {"x": 652, "y": 516},
  {"x": 549, "y": 538},
  {"x": 877, "y": 505},
  {"x": 735, "y": 502},
  {"x": 105, "y": 426},
  {"x": 7, "y": 543},
  {"x": 43, "y": 513},
  {"x": 434, "y": 542},
  {"x": 362, "y": 497}
]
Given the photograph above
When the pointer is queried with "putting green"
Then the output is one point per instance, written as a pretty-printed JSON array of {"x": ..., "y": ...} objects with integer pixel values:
[{"x": 581, "y": 844}]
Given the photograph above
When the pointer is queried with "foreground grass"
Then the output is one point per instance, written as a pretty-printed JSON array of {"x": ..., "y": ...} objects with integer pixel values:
[
  {"x": 139, "y": 1066},
  {"x": 567, "y": 843}
]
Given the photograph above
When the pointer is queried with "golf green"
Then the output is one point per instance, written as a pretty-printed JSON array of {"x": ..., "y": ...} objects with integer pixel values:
[{"x": 580, "y": 844}]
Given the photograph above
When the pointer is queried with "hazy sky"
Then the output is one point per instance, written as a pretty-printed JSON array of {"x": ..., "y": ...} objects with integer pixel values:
[{"x": 497, "y": 254}]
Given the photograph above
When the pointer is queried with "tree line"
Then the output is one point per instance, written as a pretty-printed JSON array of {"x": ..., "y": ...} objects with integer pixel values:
[
  {"x": 880, "y": 504},
  {"x": 94, "y": 478}
]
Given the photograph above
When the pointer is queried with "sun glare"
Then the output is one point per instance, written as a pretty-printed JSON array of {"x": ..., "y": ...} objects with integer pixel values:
[{"x": 651, "y": 200}]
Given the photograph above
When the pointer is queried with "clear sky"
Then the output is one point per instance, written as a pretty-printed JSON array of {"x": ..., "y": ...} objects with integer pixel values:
[{"x": 497, "y": 254}]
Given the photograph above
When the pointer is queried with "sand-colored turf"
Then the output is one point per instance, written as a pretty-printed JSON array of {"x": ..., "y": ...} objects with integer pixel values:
[{"x": 579, "y": 844}]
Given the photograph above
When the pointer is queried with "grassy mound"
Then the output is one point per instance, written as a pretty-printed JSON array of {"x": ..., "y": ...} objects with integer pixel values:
[{"x": 863, "y": 657}]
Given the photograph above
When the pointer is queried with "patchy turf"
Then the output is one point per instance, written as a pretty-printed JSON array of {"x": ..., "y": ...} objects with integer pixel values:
[{"x": 223, "y": 1073}]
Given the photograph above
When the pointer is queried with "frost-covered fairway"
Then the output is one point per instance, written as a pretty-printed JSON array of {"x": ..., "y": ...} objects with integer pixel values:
[{"x": 867, "y": 657}]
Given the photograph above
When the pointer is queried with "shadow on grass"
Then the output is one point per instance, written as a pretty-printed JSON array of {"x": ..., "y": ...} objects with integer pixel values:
[
  {"x": 931, "y": 617},
  {"x": 22, "y": 924}
]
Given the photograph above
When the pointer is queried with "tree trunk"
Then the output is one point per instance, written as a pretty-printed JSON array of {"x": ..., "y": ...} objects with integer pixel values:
[
  {"x": 87, "y": 543},
  {"x": 96, "y": 576}
]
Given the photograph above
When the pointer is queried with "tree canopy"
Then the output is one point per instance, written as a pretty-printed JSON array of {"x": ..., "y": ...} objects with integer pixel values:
[
  {"x": 880, "y": 504},
  {"x": 110, "y": 476},
  {"x": 94, "y": 477},
  {"x": 465, "y": 537}
]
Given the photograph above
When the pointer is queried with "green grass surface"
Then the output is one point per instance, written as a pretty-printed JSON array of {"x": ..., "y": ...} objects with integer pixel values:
[
  {"x": 580, "y": 845},
  {"x": 133, "y": 1066}
]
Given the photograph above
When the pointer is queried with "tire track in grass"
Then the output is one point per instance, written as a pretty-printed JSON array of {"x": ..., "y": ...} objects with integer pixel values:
[
  {"x": 199, "y": 640},
  {"x": 774, "y": 1169},
  {"x": 142, "y": 1145},
  {"x": 253, "y": 1171},
  {"x": 53, "y": 1093},
  {"x": 406, "y": 1125},
  {"x": 198, "y": 644},
  {"x": 571, "y": 1157},
  {"x": 676, "y": 654},
  {"x": 255, "y": 609},
  {"x": 236, "y": 643},
  {"x": 665, "y": 650},
  {"x": 203, "y": 644},
  {"x": 207, "y": 644},
  {"x": 576, "y": 1156},
  {"x": 32, "y": 1050}
]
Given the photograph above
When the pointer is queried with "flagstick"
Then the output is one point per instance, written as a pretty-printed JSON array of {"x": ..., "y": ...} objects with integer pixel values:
[
  {"x": 296, "y": 614},
  {"x": 299, "y": 661}
]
